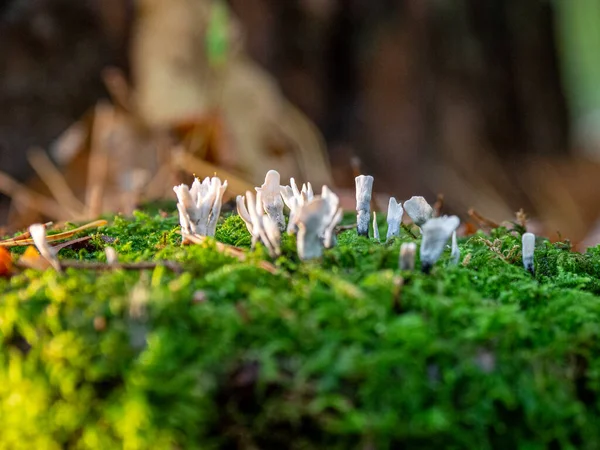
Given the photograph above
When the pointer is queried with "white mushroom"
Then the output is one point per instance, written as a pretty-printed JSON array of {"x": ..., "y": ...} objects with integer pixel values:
[
  {"x": 455, "y": 252},
  {"x": 364, "y": 188},
  {"x": 199, "y": 207},
  {"x": 311, "y": 223},
  {"x": 375, "y": 227},
  {"x": 38, "y": 234},
  {"x": 394, "y": 218},
  {"x": 271, "y": 198},
  {"x": 408, "y": 252},
  {"x": 111, "y": 255},
  {"x": 333, "y": 218},
  {"x": 293, "y": 199},
  {"x": 240, "y": 202},
  {"x": 528, "y": 242},
  {"x": 436, "y": 233},
  {"x": 329, "y": 238},
  {"x": 418, "y": 210},
  {"x": 261, "y": 226}
]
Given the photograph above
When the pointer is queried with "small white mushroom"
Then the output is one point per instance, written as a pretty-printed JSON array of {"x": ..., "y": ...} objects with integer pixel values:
[
  {"x": 418, "y": 210},
  {"x": 333, "y": 218},
  {"x": 200, "y": 206},
  {"x": 38, "y": 234},
  {"x": 528, "y": 241},
  {"x": 408, "y": 252},
  {"x": 271, "y": 198},
  {"x": 240, "y": 202},
  {"x": 329, "y": 238},
  {"x": 364, "y": 188},
  {"x": 293, "y": 199},
  {"x": 261, "y": 226},
  {"x": 311, "y": 226},
  {"x": 436, "y": 233},
  {"x": 455, "y": 253},
  {"x": 111, "y": 255},
  {"x": 394, "y": 218},
  {"x": 307, "y": 190},
  {"x": 375, "y": 227}
]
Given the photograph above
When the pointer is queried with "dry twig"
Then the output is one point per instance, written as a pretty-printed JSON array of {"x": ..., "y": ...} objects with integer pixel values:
[
  {"x": 438, "y": 205},
  {"x": 56, "y": 183},
  {"x": 482, "y": 221},
  {"x": 24, "y": 239},
  {"x": 144, "y": 265},
  {"x": 21, "y": 194},
  {"x": 522, "y": 218},
  {"x": 230, "y": 250}
]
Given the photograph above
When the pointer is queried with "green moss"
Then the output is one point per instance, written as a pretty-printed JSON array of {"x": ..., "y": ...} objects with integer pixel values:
[{"x": 344, "y": 353}]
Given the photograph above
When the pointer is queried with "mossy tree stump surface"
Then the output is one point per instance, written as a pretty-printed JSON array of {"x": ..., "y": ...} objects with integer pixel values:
[{"x": 348, "y": 352}]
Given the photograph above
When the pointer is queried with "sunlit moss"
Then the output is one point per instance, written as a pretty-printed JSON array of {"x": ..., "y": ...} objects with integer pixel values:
[{"x": 344, "y": 353}]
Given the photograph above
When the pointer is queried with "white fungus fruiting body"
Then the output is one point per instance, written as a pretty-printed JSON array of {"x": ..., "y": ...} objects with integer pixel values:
[
  {"x": 528, "y": 241},
  {"x": 364, "y": 188},
  {"x": 418, "y": 210},
  {"x": 261, "y": 226},
  {"x": 333, "y": 217},
  {"x": 408, "y": 251},
  {"x": 293, "y": 199},
  {"x": 329, "y": 238},
  {"x": 38, "y": 234},
  {"x": 375, "y": 227},
  {"x": 311, "y": 226},
  {"x": 436, "y": 233},
  {"x": 242, "y": 210},
  {"x": 111, "y": 255},
  {"x": 271, "y": 198},
  {"x": 200, "y": 206},
  {"x": 455, "y": 252},
  {"x": 394, "y": 218}
]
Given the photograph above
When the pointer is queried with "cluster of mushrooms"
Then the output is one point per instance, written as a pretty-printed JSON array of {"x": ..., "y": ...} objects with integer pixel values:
[{"x": 313, "y": 218}]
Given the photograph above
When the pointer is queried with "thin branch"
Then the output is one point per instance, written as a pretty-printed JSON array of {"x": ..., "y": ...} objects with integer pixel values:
[
  {"x": 230, "y": 250},
  {"x": 59, "y": 247},
  {"x": 25, "y": 240},
  {"x": 439, "y": 205},
  {"x": 409, "y": 231},
  {"x": 145, "y": 265},
  {"x": 22, "y": 194},
  {"x": 341, "y": 228},
  {"x": 55, "y": 182},
  {"x": 482, "y": 220},
  {"x": 522, "y": 218},
  {"x": 104, "y": 117}
]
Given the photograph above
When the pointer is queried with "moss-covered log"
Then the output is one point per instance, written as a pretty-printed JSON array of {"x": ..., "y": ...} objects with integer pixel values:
[{"x": 347, "y": 353}]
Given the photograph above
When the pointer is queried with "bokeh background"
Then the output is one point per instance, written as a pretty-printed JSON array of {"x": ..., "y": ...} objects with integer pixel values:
[{"x": 493, "y": 103}]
